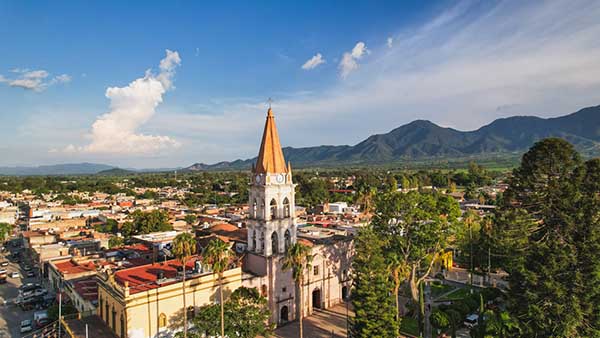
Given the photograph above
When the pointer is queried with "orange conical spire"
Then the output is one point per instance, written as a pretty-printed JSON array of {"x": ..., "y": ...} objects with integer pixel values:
[{"x": 270, "y": 157}]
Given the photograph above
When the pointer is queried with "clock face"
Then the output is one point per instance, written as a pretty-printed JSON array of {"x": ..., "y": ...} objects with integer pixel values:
[
  {"x": 280, "y": 178},
  {"x": 257, "y": 178}
]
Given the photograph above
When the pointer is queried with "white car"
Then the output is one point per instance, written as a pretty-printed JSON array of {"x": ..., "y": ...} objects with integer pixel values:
[
  {"x": 26, "y": 326},
  {"x": 14, "y": 275}
]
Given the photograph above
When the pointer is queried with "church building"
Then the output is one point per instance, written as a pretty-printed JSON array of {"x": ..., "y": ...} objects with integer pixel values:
[{"x": 272, "y": 227}]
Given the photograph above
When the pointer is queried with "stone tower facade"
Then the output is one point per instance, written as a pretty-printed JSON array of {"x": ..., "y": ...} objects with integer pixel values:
[{"x": 272, "y": 225}]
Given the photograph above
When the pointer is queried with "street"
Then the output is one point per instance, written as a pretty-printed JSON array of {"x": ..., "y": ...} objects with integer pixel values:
[{"x": 10, "y": 314}]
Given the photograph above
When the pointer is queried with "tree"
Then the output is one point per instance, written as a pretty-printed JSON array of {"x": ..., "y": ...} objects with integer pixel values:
[
  {"x": 298, "y": 258},
  {"x": 374, "y": 309},
  {"x": 541, "y": 206},
  {"x": 190, "y": 219},
  {"x": 246, "y": 314},
  {"x": 216, "y": 255},
  {"x": 184, "y": 245},
  {"x": 398, "y": 270},
  {"x": 5, "y": 230},
  {"x": 418, "y": 226},
  {"x": 439, "y": 319},
  {"x": 115, "y": 241}
]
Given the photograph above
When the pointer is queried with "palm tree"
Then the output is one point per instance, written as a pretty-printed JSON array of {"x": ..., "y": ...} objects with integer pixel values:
[
  {"x": 184, "y": 245},
  {"x": 5, "y": 230},
  {"x": 216, "y": 255},
  {"x": 298, "y": 258}
]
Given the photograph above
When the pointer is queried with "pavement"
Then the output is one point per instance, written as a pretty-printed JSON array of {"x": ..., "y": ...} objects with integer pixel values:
[
  {"x": 328, "y": 323},
  {"x": 10, "y": 314}
]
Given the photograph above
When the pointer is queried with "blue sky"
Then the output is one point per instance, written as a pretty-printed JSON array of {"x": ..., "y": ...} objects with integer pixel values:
[{"x": 74, "y": 84}]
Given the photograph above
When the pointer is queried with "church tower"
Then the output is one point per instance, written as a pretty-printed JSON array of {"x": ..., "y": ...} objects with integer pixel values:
[{"x": 272, "y": 224}]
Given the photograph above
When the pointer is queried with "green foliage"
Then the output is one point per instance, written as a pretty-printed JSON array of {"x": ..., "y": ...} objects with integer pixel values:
[
  {"x": 115, "y": 241},
  {"x": 184, "y": 245},
  {"x": 147, "y": 222},
  {"x": 374, "y": 308},
  {"x": 547, "y": 227},
  {"x": 5, "y": 230},
  {"x": 246, "y": 314},
  {"x": 190, "y": 219},
  {"x": 417, "y": 226},
  {"x": 66, "y": 309},
  {"x": 439, "y": 319}
]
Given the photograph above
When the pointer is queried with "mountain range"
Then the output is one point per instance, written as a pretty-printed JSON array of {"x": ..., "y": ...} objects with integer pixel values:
[
  {"x": 424, "y": 140},
  {"x": 420, "y": 140}
]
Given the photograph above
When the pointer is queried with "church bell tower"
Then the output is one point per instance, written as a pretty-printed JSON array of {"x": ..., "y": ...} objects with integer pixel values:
[{"x": 272, "y": 223}]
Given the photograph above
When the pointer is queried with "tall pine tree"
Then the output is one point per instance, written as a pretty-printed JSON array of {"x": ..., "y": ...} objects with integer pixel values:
[{"x": 374, "y": 306}]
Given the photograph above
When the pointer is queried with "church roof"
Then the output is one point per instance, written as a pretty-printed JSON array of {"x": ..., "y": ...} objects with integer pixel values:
[{"x": 270, "y": 156}]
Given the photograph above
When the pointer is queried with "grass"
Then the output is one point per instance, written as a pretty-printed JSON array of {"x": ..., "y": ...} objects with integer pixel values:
[
  {"x": 438, "y": 290},
  {"x": 410, "y": 326},
  {"x": 457, "y": 294}
]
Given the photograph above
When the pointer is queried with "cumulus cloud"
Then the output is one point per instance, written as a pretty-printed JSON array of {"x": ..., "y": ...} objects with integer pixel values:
[
  {"x": 36, "y": 80},
  {"x": 313, "y": 62},
  {"x": 390, "y": 42},
  {"x": 349, "y": 59},
  {"x": 116, "y": 132}
]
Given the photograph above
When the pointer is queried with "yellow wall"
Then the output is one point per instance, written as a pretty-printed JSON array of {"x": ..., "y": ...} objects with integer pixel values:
[{"x": 143, "y": 309}]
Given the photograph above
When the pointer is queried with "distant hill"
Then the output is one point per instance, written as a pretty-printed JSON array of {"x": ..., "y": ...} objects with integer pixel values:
[
  {"x": 423, "y": 139},
  {"x": 57, "y": 169},
  {"x": 116, "y": 172}
]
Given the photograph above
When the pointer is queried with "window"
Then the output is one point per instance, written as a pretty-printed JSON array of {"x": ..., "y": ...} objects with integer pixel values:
[
  {"x": 287, "y": 240},
  {"x": 254, "y": 240},
  {"x": 100, "y": 308},
  {"x": 286, "y": 208},
  {"x": 273, "y": 209},
  {"x": 254, "y": 207},
  {"x": 262, "y": 242},
  {"x": 315, "y": 270},
  {"x": 122, "y": 327},
  {"x": 274, "y": 243},
  {"x": 162, "y": 320},
  {"x": 191, "y": 313},
  {"x": 284, "y": 289},
  {"x": 263, "y": 291}
]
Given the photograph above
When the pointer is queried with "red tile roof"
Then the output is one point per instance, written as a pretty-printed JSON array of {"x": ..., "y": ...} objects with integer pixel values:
[
  {"x": 87, "y": 288},
  {"x": 69, "y": 267},
  {"x": 143, "y": 278}
]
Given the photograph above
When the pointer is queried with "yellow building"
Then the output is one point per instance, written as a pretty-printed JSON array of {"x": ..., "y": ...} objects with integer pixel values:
[{"x": 147, "y": 301}]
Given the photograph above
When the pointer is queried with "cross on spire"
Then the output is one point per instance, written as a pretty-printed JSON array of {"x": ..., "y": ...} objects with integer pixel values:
[{"x": 270, "y": 100}]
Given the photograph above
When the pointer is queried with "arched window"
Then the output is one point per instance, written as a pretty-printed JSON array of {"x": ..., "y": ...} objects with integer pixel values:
[
  {"x": 254, "y": 208},
  {"x": 100, "y": 308},
  {"x": 273, "y": 209},
  {"x": 191, "y": 312},
  {"x": 122, "y": 327},
  {"x": 274, "y": 243},
  {"x": 287, "y": 239},
  {"x": 162, "y": 320},
  {"x": 262, "y": 209},
  {"x": 263, "y": 290},
  {"x": 286, "y": 208},
  {"x": 107, "y": 319},
  {"x": 254, "y": 240},
  {"x": 262, "y": 242}
]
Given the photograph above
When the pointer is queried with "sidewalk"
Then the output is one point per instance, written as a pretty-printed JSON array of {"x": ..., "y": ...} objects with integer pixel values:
[{"x": 321, "y": 324}]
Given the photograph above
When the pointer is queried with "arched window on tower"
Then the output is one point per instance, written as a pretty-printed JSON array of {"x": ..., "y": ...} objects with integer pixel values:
[
  {"x": 262, "y": 242},
  {"x": 162, "y": 320},
  {"x": 262, "y": 209},
  {"x": 274, "y": 243},
  {"x": 273, "y": 209},
  {"x": 254, "y": 240},
  {"x": 254, "y": 209},
  {"x": 286, "y": 208},
  {"x": 288, "y": 240}
]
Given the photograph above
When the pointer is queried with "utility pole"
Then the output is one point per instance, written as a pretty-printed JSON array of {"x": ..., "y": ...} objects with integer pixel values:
[
  {"x": 59, "y": 310},
  {"x": 471, "y": 254}
]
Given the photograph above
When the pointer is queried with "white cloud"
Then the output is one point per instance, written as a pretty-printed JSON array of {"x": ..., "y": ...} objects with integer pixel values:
[
  {"x": 349, "y": 59},
  {"x": 36, "y": 80},
  {"x": 116, "y": 132},
  {"x": 390, "y": 42},
  {"x": 313, "y": 62}
]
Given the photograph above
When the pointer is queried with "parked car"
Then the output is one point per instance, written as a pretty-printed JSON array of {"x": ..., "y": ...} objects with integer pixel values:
[
  {"x": 30, "y": 274},
  {"x": 4, "y": 263},
  {"x": 26, "y": 326},
  {"x": 14, "y": 275},
  {"x": 2, "y": 271},
  {"x": 40, "y": 292},
  {"x": 27, "y": 268},
  {"x": 471, "y": 320}
]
